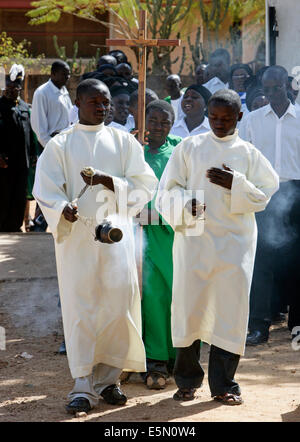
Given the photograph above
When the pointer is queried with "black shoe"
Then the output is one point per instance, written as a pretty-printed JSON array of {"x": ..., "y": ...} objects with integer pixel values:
[
  {"x": 78, "y": 405},
  {"x": 256, "y": 337},
  {"x": 113, "y": 395},
  {"x": 62, "y": 349}
]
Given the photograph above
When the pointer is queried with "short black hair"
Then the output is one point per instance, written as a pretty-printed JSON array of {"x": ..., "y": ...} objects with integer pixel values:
[
  {"x": 59, "y": 65},
  {"x": 119, "y": 90},
  {"x": 90, "y": 83},
  {"x": 106, "y": 59},
  {"x": 226, "y": 97},
  {"x": 161, "y": 105},
  {"x": 277, "y": 71},
  {"x": 119, "y": 55}
]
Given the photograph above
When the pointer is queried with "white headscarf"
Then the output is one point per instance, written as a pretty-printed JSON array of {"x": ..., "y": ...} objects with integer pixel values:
[{"x": 17, "y": 70}]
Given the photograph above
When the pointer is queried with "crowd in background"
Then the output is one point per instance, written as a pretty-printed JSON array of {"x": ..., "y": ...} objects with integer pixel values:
[{"x": 26, "y": 130}]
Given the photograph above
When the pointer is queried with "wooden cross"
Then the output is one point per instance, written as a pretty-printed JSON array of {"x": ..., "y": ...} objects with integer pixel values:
[{"x": 142, "y": 43}]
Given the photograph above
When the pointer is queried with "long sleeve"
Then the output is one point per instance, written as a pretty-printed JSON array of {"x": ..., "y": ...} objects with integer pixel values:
[
  {"x": 39, "y": 118},
  {"x": 49, "y": 190},
  {"x": 252, "y": 193}
]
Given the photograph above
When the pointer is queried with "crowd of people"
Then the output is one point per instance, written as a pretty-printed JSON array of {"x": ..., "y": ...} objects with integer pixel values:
[{"x": 233, "y": 134}]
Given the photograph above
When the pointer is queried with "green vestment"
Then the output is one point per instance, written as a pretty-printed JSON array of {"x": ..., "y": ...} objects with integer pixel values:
[{"x": 158, "y": 271}]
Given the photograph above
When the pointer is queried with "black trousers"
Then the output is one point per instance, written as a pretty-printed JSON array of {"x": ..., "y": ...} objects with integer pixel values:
[
  {"x": 222, "y": 366},
  {"x": 276, "y": 271}
]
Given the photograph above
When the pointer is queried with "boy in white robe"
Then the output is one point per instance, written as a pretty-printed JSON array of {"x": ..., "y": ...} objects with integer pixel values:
[
  {"x": 98, "y": 282},
  {"x": 213, "y": 271}
]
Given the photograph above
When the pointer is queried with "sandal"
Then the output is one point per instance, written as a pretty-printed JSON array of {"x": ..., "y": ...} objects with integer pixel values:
[
  {"x": 184, "y": 394},
  {"x": 156, "y": 381},
  {"x": 229, "y": 399}
]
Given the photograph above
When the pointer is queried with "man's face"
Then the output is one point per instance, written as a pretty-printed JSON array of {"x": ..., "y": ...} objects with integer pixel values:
[
  {"x": 218, "y": 68},
  {"x": 121, "y": 104},
  {"x": 173, "y": 86},
  {"x": 61, "y": 77},
  {"x": 223, "y": 119},
  {"x": 201, "y": 74},
  {"x": 93, "y": 106},
  {"x": 275, "y": 88},
  {"x": 12, "y": 91},
  {"x": 158, "y": 123}
]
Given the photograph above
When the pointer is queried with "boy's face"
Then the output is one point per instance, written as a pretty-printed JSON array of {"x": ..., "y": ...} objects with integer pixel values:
[
  {"x": 121, "y": 105},
  {"x": 158, "y": 123},
  {"x": 223, "y": 119},
  {"x": 93, "y": 106}
]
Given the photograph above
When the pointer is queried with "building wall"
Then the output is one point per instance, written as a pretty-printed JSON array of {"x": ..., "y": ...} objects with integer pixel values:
[
  {"x": 68, "y": 30},
  {"x": 288, "y": 41}
]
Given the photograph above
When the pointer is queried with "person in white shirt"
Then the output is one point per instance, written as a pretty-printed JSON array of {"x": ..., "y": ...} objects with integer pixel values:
[
  {"x": 218, "y": 70},
  {"x": 194, "y": 121},
  {"x": 150, "y": 95},
  {"x": 173, "y": 86},
  {"x": 201, "y": 73},
  {"x": 275, "y": 130},
  {"x": 120, "y": 98},
  {"x": 51, "y": 104},
  {"x": 239, "y": 73}
]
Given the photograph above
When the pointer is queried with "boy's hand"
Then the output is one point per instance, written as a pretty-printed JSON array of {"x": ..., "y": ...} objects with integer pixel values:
[
  {"x": 98, "y": 178},
  {"x": 70, "y": 212},
  {"x": 220, "y": 177}
]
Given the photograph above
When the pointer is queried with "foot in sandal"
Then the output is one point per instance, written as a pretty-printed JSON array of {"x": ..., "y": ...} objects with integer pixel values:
[
  {"x": 185, "y": 394},
  {"x": 229, "y": 399}
]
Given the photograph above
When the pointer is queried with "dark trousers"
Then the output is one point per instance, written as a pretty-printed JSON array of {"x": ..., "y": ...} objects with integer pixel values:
[
  {"x": 276, "y": 269},
  {"x": 222, "y": 366}
]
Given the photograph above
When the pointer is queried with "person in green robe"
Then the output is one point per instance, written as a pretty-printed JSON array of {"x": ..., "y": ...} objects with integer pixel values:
[{"x": 157, "y": 259}]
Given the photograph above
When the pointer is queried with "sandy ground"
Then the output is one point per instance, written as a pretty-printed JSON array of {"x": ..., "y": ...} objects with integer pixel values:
[{"x": 34, "y": 389}]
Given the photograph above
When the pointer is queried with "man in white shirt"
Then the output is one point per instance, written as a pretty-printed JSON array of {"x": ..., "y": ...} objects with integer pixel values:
[
  {"x": 218, "y": 70},
  {"x": 51, "y": 104},
  {"x": 173, "y": 86},
  {"x": 275, "y": 130}
]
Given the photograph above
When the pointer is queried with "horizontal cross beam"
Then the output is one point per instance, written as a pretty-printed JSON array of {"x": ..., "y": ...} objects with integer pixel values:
[{"x": 142, "y": 42}]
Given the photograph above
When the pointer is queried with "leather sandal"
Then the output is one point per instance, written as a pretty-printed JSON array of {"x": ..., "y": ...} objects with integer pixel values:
[
  {"x": 185, "y": 394},
  {"x": 229, "y": 399}
]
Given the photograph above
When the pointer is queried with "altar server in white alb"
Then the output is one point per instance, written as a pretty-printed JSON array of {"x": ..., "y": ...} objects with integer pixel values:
[
  {"x": 213, "y": 271},
  {"x": 98, "y": 282}
]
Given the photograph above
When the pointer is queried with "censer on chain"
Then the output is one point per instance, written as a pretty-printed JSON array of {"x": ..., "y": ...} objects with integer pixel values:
[{"x": 104, "y": 232}]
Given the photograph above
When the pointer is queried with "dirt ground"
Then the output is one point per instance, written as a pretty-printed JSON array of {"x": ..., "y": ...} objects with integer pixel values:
[{"x": 35, "y": 379}]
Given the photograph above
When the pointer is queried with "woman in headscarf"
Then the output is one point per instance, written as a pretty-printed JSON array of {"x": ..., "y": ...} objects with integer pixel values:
[{"x": 193, "y": 104}]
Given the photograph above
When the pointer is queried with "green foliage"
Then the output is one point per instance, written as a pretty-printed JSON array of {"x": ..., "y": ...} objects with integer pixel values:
[
  {"x": 12, "y": 52},
  {"x": 76, "y": 66},
  {"x": 164, "y": 17}
]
